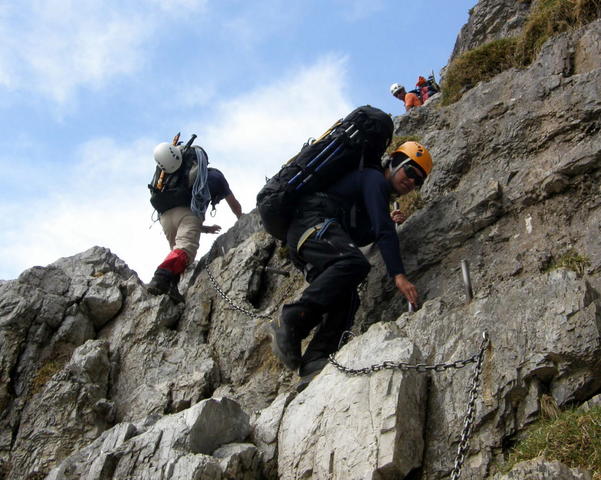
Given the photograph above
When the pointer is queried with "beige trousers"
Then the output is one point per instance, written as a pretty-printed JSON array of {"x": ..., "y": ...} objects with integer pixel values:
[{"x": 182, "y": 229}]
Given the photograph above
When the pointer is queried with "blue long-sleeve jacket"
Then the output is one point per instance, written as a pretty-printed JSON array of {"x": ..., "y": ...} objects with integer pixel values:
[{"x": 369, "y": 192}]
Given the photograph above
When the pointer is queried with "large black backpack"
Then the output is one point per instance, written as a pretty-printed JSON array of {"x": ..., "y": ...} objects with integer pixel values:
[{"x": 357, "y": 141}]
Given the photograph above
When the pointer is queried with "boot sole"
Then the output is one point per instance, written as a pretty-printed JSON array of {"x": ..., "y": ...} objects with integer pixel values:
[
  {"x": 157, "y": 291},
  {"x": 289, "y": 363}
]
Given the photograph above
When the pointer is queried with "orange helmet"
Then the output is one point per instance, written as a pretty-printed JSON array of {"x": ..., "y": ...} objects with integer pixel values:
[
  {"x": 418, "y": 154},
  {"x": 420, "y": 81}
]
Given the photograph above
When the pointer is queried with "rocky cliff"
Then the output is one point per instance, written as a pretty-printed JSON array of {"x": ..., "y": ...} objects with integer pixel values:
[{"x": 99, "y": 380}]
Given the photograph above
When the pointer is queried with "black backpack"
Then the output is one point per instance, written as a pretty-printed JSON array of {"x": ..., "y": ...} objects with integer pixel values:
[
  {"x": 359, "y": 140},
  {"x": 172, "y": 190}
]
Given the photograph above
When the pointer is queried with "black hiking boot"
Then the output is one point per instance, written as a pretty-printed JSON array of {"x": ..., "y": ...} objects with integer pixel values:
[
  {"x": 288, "y": 331},
  {"x": 174, "y": 291},
  {"x": 165, "y": 282},
  {"x": 309, "y": 370}
]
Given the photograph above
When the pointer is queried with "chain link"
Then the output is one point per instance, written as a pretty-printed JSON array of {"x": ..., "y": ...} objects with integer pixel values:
[
  {"x": 468, "y": 421},
  {"x": 470, "y": 415},
  {"x": 239, "y": 308}
]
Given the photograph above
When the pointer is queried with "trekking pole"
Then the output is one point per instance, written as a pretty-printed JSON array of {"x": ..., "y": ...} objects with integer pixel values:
[
  {"x": 330, "y": 145},
  {"x": 467, "y": 282},
  {"x": 318, "y": 157},
  {"x": 325, "y": 162},
  {"x": 189, "y": 143}
]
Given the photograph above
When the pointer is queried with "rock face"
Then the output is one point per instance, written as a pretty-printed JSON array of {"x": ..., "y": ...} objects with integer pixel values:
[
  {"x": 100, "y": 380},
  {"x": 491, "y": 20},
  {"x": 176, "y": 446},
  {"x": 544, "y": 470},
  {"x": 365, "y": 426}
]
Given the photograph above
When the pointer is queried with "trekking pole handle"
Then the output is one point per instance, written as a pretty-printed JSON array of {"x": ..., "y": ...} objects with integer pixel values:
[
  {"x": 295, "y": 179},
  {"x": 189, "y": 143}
]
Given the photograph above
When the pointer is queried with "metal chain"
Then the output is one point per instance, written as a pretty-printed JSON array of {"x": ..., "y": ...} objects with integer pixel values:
[
  {"x": 239, "y": 308},
  {"x": 470, "y": 415},
  {"x": 438, "y": 367}
]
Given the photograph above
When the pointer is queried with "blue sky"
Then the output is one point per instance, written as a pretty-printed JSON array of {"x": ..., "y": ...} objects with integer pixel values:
[{"x": 89, "y": 87}]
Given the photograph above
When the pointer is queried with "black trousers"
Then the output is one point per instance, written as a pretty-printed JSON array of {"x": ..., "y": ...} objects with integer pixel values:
[{"x": 334, "y": 268}]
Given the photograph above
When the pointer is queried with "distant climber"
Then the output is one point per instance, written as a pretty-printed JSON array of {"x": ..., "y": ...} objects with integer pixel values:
[
  {"x": 426, "y": 88},
  {"x": 323, "y": 240},
  {"x": 181, "y": 190},
  {"x": 410, "y": 99}
]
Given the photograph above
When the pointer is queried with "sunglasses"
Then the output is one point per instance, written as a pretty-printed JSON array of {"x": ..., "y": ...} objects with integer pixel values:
[{"x": 413, "y": 173}]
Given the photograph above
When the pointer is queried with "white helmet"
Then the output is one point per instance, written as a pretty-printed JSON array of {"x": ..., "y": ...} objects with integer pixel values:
[
  {"x": 168, "y": 157},
  {"x": 395, "y": 87}
]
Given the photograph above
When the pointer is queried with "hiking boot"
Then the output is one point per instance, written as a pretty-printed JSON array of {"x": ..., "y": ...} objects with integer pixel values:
[
  {"x": 161, "y": 282},
  {"x": 308, "y": 371},
  {"x": 288, "y": 331},
  {"x": 165, "y": 282},
  {"x": 174, "y": 292}
]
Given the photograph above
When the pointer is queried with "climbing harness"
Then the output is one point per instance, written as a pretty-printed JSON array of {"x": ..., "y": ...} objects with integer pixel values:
[
  {"x": 239, "y": 308},
  {"x": 438, "y": 367},
  {"x": 320, "y": 228}
]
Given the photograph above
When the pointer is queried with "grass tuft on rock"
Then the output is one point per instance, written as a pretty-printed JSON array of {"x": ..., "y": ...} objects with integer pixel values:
[
  {"x": 550, "y": 17},
  {"x": 546, "y": 18},
  {"x": 573, "y": 438},
  {"x": 477, "y": 65},
  {"x": 572, "y": 260}
]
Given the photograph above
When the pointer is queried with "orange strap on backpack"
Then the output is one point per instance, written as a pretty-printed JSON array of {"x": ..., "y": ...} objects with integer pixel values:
[{"x": 162, "y": 175}]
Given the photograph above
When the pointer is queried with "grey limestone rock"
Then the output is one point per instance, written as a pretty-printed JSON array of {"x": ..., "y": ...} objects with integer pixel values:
[
  {"x": 197, "y": 443},
  {"x": 365, "y": 426},
  {"x": 541, "y": 469},
  {"x": 491, "y": 20}
]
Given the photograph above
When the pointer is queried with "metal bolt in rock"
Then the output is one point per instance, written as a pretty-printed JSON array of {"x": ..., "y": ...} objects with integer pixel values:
[{"x": 467, "y": 282}]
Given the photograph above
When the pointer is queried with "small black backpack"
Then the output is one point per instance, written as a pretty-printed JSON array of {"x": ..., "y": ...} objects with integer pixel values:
[{"x": 358, "y": 140}]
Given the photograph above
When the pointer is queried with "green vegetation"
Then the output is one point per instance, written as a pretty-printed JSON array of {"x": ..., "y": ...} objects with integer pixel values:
[
  {"x": 550, "y": 17},
  {"x": 573, "y": 438},
  {"x": 547, "y": 18},
  {"x": 571, "y": 260},
  {"x": 477, "y": 65}
]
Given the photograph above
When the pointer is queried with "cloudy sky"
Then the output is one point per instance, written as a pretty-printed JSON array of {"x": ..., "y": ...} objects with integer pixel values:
[{"x": 89, "y": 87}]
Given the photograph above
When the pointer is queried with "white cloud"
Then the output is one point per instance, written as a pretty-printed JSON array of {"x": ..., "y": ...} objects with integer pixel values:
[
  {"x": 103, "y": 199},
  {"x": 266, "y": 126},
  {"x": 56, "y": 46}
]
